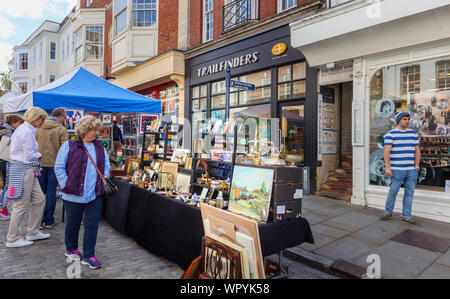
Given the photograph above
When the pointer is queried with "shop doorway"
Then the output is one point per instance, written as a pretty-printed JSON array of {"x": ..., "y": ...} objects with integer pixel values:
[
  {"x": 292, "y": 132},
  {"x": 335, "y": 174}
]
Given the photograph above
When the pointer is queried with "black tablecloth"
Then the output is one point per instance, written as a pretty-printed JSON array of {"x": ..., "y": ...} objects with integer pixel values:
[{"x": 171, "y": 229}]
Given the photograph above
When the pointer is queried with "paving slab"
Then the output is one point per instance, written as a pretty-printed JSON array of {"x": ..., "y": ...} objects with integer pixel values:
[
  {"x": 319, "y": 241},
  {"x": 400, "y": 260},
  {"x": 423, "y": 240},
  {"x": 334, "y": 210},
  {"x": 328, "y": 231},
  {"x": 436, "y": 271},
  {"x": 312, "y": 203},
  {"x": 444, "y": 259},
  {"x": 378, "y": 232},
  {"x": 352, "y": 221},
  {"x": 314, "y": 218},
  {"x": 347, "y": 249}
]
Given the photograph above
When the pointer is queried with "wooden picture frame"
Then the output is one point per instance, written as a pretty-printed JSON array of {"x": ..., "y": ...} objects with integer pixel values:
[
  {"x": 133, "y": 165},
  {"x": 246, "y": 234},
  {"x": 170, "y": 167},
  {"x": 219, "y": 261},
  {"x": 165, "y": 180}
]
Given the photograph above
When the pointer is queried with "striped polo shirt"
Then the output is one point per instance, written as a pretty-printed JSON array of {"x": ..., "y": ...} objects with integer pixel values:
[{"x": 403, "y": 148}]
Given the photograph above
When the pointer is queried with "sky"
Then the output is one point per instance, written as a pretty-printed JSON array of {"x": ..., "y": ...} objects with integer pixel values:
[{"x": 20, "y": 18}]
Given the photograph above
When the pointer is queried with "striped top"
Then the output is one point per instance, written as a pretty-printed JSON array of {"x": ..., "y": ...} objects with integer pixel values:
[{"x": 403, "y": 148}]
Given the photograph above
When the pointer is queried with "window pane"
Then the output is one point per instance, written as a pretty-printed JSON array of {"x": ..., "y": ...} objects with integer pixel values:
[
  {"x": 203, "y": 91},
  {"x": 256, "y": 121},
  {"x": 196, "y": 92},
  {"x": 257, "y": 79},
  {"x": 121, "y": 22},
  {"x": 299, "y": 89},
  {"x": 292, "y": 132},
  {"x": 284, "y": 91},
  {"x": 258, "y": 95},
  {"x": 218, "y": 102},
  {"x": 284, "y": 73},
  {"x": 119, "y": 5},
  {"x": 299, "y": 71},
  {"x": 218, "y": 87}
]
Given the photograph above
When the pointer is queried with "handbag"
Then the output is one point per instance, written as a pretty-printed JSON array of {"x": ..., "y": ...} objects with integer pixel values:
[
  {"x": 5, "y": 148},
  {"x": 108, "y": 187}
]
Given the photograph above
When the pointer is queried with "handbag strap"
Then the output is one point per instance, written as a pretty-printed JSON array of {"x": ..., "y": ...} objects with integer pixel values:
[{"x": 98, "y": 171}]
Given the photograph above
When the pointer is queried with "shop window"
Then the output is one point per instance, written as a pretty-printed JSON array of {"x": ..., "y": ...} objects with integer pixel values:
[
  {"x": 286, "y": 4},
  {"x": 79, "y": 46},
  {"x": 144, "y": 13},
  {"x": 52, "y": 78},
  {"x": 400, "y": 88},
  {"x": 292, "y": 132},
  {"x": 291, "y": 81},
  {"x": 169, "y": 97},
  {"x": 94, "y": 42}
]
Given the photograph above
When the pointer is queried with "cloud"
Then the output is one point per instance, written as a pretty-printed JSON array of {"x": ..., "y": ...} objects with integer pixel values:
[
  {"x": 5, "y": 55},
  {"x": 8, "y": 28},
  {"x": 34, "y": 9}
]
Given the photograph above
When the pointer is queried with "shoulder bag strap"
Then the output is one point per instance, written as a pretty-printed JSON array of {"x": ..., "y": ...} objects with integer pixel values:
[{"x": 92, "y": 160}]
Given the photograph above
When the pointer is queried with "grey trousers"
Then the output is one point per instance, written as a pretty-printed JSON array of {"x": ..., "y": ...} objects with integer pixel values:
[{"x": 32, "y": 193}]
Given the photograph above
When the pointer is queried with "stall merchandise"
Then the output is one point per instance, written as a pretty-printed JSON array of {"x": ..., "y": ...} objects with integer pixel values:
[{"x": 171, "y": 229}]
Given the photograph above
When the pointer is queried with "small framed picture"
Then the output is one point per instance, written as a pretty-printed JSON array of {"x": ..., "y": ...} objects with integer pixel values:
[
  {"x": 107, "y": 119},
  {"x": 204, "y": 194}
]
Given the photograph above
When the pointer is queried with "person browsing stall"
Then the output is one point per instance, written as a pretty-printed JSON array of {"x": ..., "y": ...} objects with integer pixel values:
[
  {"x": 81, "y": 187},
  {"x": 24, "y": 186}
]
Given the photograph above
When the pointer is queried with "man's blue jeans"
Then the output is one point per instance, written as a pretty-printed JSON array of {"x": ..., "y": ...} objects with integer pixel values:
[
  {"x": 89, "y": 212},
  {"x": 409, "y": 177},
  {"x": 48, "y": 183}
]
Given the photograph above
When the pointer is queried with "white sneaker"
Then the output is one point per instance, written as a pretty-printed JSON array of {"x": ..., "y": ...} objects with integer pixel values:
[
  {"x": 38, "y": 236},
  {"x": 19, "y": 243}
]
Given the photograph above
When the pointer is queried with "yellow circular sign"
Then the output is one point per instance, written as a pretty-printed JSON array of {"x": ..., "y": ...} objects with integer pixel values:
[{"x": 279, "y": 49}]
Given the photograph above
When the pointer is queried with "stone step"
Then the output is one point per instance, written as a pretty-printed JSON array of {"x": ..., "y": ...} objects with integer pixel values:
[
  {"x": 348, "y": 158},
  {"x": 347, "y": 165},
  {"x": 339, "y": 183},
  {"x": 334, "y": 195},
  {"x": 344, "y": 170},
  {"x": 339, "y": 178},
  {"x": 339, "y": 187}
]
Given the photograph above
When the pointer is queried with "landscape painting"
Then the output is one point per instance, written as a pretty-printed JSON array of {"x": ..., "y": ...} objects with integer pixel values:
[{"x": 251, "y": 191}]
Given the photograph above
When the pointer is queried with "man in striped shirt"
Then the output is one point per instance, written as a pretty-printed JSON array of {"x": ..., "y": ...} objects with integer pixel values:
[{"x": 402, "y": 160}]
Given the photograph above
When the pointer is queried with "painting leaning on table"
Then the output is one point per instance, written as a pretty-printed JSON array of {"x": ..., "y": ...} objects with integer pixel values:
[{"x": 251, "y": 191}]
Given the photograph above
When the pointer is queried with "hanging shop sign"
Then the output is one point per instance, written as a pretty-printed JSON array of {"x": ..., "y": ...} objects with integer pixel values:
[
  {"x": 279, "y": 49},
  {"x": 338, "y": 74}
]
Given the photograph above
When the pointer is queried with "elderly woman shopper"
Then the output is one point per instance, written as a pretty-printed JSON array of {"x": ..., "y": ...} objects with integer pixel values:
[
  {"x": 12, "y": 121},
  {"x": 81, "y": 187},
  {"x": 24, "y": 186}
]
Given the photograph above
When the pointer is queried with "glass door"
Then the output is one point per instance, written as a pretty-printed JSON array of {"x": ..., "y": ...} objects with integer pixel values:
[{"x": 292, "y": 131}]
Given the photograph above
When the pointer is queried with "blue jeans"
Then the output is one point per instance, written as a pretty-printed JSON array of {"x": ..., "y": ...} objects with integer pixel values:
[
  {"x": 409, "y": 177},
  {"x": 48, "y": 183},
  {"x": 76, "y": 212}
]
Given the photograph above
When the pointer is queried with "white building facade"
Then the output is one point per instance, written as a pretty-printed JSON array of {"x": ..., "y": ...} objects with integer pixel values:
[{"x": 399, "y": 51}]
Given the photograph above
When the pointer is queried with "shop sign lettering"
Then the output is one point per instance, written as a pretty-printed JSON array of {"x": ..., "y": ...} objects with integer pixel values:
[{"x": 233, "y": 63}]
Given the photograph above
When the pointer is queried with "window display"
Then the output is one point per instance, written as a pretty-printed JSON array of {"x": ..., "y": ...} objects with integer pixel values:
[{"x": 421, "y": 89}]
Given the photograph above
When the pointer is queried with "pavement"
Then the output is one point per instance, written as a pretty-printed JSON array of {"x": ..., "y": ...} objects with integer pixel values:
[
  {"x": 353, "y": 242},
  {"x": 120, "y": 255}
]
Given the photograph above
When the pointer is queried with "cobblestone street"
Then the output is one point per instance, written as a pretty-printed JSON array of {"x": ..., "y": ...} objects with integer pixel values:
[{"x": 120, "y": 255}]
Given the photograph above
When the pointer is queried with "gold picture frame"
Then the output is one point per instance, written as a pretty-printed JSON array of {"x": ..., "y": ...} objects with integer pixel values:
[
  {"x": 170, "y": 167},
  {"x": 165, "y": 180},
  {"x": 133, "y": 165}
]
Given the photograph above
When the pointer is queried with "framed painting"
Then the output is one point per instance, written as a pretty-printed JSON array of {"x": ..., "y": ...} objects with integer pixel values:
[
  {"x": 237, "y": 229},
  {"x": 170, "y": 167},
  {"x": 251, "y": 191}
]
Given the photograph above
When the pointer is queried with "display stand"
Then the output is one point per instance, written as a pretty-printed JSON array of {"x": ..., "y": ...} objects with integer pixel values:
[{"x": 158, "y": 136}]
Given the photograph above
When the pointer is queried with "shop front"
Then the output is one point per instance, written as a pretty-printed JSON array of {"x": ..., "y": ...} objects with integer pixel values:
[
  {"x": 394, "y": 70},
  {"x": 282, "y": 107}
]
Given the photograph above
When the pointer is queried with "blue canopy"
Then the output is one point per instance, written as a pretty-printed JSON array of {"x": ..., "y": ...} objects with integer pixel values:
[{"x": 84, "y": 90}]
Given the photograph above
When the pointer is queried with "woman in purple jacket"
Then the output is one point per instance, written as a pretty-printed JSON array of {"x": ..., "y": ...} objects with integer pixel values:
[{"x": 81, "y": 187}]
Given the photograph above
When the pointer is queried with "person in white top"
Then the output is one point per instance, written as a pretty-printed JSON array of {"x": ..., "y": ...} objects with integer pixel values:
[{"x": 24, "y": 186}]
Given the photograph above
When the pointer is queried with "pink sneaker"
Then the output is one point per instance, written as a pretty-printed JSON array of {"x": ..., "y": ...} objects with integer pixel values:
[{"x": 4, "y": 214}]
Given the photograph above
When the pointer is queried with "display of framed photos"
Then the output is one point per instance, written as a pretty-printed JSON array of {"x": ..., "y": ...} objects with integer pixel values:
[
  {"x": 145, "y": 119},
  {"x": 251, "y": 192},
  {"x": 170, "y": 167},
  {"x": 106, "y": 119},
  {"x": 73, "y": 116}
]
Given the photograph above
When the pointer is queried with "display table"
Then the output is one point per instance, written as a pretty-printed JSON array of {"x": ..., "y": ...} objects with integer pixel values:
[{"x": 171, "y": 229}]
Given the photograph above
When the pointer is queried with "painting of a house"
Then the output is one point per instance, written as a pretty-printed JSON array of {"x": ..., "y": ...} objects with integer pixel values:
[{"x": 251, "y": 191}]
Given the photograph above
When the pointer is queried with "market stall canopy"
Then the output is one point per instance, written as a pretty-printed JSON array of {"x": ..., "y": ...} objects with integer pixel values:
[{"x": 81, "y": 89}]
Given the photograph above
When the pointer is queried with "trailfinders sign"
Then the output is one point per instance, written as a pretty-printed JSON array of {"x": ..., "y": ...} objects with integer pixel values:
[{"x": 233, "y": 63}]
